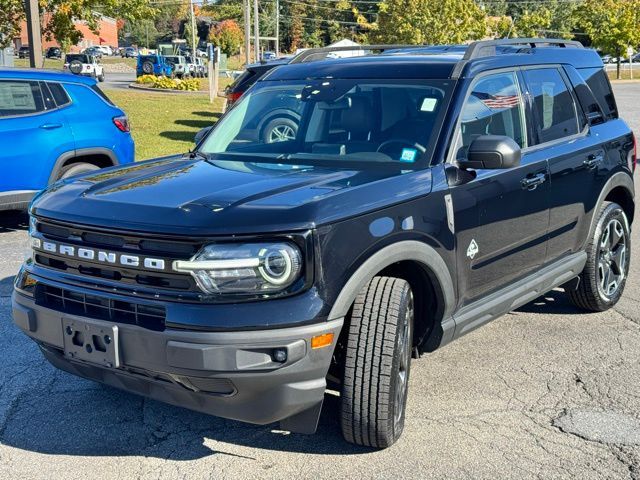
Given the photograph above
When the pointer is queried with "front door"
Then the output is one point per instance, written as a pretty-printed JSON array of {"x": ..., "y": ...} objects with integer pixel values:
[{"x": 501, "y": 216}]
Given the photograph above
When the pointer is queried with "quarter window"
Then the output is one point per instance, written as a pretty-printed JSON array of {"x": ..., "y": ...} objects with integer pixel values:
[
  {"x": 494, "y": 107},
  {"x": 553, "y": 104},
  {"x": 59, "y": 94},
  {"x": 20, "y": 98}
]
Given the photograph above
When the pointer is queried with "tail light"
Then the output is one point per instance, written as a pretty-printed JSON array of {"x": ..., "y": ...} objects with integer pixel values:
[
  {"x": 122, "y": 123},
  {"x": 233, "y": 97}
]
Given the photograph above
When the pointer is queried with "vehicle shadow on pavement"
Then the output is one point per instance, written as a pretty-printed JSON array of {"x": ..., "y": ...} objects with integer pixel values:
[
  {"x": 555, "y": 302},
  {"x": 13, "y": 220},
  {"x": 73, "y": 416}
]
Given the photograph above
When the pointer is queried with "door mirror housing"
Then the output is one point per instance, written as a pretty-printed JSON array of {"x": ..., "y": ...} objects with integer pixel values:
[{"x": 492, "y": 152}]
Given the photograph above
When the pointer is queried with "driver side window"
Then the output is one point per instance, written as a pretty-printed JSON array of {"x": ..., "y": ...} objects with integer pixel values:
[{"x": 495, "y": 106}]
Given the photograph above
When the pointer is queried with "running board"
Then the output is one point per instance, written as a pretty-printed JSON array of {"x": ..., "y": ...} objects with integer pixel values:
[{"x": 482, "y": 311}]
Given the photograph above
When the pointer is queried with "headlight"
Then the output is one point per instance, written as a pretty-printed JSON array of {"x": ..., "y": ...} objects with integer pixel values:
[{"x": 244, "y": 268}]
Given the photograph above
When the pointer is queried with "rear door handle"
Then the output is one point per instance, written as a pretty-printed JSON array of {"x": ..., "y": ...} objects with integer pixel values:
[
  {"x": 50, "y": 126},
  {"x": 594, "y": 160},
  {"x": 531, "y": 183}
]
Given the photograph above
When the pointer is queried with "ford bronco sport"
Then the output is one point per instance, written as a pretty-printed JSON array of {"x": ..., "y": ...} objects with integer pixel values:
[{"x": 424, "y": 194}]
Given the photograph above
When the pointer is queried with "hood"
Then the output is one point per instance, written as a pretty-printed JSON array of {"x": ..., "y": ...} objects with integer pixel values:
[{"x": 198, "y": 197}]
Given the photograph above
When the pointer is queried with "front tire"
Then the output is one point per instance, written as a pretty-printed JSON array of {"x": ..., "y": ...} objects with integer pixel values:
[
  {"x": 76, "y": 169},
  {"x": 377, "y": 363},
  {"x": 604, "y": 276}
]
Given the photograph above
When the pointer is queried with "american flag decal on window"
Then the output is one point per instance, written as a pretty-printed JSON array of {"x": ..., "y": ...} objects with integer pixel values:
[{"x": 498, "y": 101}]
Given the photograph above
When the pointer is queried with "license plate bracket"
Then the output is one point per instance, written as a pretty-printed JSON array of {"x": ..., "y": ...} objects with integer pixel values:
[{"x": 91, "y": 341}]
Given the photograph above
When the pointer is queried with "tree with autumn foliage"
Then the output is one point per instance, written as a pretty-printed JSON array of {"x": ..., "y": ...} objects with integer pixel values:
[
  {"x": 63, "y": 13},
  {"x": 11, "y": 14},
  {"x": 428, "y": 22},
  {"x": 228, "y": 36}
]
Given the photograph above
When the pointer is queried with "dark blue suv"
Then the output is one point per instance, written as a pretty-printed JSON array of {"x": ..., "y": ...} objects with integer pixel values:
[
  {"x": 423, "y": 195},
  {"x": 55, "y": 125}
]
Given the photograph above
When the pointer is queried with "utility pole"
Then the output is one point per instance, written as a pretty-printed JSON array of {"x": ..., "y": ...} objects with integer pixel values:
[
  {"x": 256, "y": 31},
  {"x": 34, "y": 34},
  {"x": 247, "y": 30},
  {"x": 277, "y": 28},
  {"x": 193, "y": 33}
]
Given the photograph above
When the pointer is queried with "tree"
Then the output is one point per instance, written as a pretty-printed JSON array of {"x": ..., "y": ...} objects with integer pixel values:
[
  {"x": 63, "y": 13},
  {"x": 612, "y": 25},
  {"x": 11, "y": 14},
  {"x": 228, "y": 36},
  {"x": 430, "y": 22},
  {"x": 532, "y": 23}
]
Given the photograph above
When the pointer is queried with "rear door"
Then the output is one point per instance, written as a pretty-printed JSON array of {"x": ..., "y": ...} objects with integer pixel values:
[
  {"x": 576, "y": 157},
  {"x": 501, "y": 216},
  {"x": 34, "y": 133}
]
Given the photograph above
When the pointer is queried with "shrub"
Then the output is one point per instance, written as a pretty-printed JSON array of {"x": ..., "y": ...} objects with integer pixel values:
[
  {"x": 188, "y": 84},
  {"x": 145, "y": 79}
]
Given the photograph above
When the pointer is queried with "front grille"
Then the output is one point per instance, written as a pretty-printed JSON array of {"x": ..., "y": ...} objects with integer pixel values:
[
  {"x": 119, "y": 244},
  {"x": 98, "y": 307}
]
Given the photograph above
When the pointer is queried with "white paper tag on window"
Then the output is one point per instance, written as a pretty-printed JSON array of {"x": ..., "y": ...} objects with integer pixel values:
[{"x": 428, "y": 104}]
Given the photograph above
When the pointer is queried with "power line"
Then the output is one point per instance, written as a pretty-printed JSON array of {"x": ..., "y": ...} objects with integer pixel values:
[
  {"x": 343, "y": 10},
  {"x": 323, "y": 20}
]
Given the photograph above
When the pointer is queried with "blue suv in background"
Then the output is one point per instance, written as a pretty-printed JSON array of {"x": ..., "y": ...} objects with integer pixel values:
[{"x": 54, "y": 125}]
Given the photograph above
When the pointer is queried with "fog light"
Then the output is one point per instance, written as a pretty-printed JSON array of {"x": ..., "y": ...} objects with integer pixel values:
[
  {"x": 323, "y": 340},
  {"x": 280, "y": 355}
]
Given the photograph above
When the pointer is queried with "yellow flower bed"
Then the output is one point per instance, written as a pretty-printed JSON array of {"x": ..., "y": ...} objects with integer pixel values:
[{"x": 187, "y": 84}]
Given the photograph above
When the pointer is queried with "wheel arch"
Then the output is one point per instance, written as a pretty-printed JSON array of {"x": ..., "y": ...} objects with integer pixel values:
[
  {"x": 425, "y": 270},
  {"x": 620, "y": 189},
  {"x": 100, "y": 156}
]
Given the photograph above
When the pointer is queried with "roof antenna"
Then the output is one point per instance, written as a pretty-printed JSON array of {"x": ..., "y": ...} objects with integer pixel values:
[{"x": 513, "y": 21}]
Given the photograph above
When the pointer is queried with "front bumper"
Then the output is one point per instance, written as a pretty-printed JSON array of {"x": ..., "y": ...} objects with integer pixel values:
[{"x": 228, "y": 374}]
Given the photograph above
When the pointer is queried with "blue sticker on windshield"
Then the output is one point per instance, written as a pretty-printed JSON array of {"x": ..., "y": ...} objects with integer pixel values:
[{"x": 408, "y": 155}]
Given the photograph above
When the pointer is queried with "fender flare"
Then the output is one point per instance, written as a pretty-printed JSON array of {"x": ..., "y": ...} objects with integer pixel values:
[
  {"x": 618, "y": 179},
  {"x": 81, "y": 152},
  {"x": 401, "y": 251}
]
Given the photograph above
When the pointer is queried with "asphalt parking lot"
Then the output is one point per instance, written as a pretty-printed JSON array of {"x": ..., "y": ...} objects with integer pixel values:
[{"x": 544, "y": 392}]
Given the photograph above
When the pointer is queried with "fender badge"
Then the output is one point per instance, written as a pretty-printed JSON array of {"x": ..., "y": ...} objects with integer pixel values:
[{"x": 473, "y": 249}]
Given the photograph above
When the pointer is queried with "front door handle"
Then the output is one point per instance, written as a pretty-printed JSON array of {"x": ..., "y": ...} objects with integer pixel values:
[
  {"x": 50, "y": 126},
  {"x": 531, "y": 183},
  {"x": 593, "y": 161}
]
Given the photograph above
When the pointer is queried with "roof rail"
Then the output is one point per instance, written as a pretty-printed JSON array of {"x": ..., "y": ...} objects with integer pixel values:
[
  {"x": 313, "y": 54},
  {"x": 487, "y": 48}
]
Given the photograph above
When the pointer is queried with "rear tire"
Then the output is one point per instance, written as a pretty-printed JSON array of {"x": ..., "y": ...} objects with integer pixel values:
[
  {"x": 147, "y": 68},
  {"x": 76, "y": 169},
  {"x": 377, "y": 363},
  {"x": 604, "y": 276}
]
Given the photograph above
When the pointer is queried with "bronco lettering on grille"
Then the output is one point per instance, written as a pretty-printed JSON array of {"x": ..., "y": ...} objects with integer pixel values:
[{"x": 103, "y": 256}]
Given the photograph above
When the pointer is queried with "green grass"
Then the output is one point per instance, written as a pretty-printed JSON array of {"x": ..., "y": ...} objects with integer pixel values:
[
  {"x": 163, "y": 124},
  {"x": 624, "y": 73}
]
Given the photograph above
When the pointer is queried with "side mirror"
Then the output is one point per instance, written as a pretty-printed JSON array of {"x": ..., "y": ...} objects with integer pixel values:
[{"x": 492, "y": 152}]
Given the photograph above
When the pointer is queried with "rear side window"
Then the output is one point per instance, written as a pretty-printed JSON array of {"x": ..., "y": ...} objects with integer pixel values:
[
  {"x": 20, "y": 98},
  {"x": 599, "y": 84},
  {"x": 244, "y": 81},
  {"x": 495, "y": 106},
  {"x": 59, "y": 94},
  {"x": 102, "y": 95},
  {"x": 555, "y": 110}
]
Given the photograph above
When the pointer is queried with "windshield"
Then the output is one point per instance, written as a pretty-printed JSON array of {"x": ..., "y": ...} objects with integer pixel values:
[{"x": 333, "y": 121}]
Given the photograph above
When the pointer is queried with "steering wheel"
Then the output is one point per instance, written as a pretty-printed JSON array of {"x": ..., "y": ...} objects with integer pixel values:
[{"x": 402, "y": 143}]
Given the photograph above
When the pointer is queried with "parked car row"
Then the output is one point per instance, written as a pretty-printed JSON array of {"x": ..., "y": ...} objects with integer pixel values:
[{"x": 178, "y": 66}]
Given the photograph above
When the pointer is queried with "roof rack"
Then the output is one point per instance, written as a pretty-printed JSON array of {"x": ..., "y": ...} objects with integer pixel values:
[
  {"x": 487, "y": 48},
  {"x": 313, "y": 54}
]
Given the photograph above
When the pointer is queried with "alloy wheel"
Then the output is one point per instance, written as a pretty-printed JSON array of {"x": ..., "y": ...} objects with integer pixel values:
[{"x": 612, "y": 258}]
